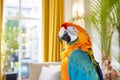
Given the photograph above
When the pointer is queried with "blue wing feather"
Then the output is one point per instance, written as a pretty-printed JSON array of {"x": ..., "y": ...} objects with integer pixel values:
[
  {"x": 80, "y": 66},
  {"x": 100, "y": 73}
]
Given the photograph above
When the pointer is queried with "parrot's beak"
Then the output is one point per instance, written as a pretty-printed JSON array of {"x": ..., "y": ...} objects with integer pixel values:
[{"x": 63, "y": 35}]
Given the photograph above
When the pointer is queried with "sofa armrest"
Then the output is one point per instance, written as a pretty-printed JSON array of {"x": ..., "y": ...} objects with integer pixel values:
[{"x": 35, "y": 69}]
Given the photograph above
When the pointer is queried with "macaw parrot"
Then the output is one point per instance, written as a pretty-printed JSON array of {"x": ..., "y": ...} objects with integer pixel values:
[{"x": 78, "y": 62}]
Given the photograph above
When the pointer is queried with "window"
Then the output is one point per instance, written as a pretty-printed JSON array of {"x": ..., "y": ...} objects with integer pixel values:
[{"x": 22, "y": 33}]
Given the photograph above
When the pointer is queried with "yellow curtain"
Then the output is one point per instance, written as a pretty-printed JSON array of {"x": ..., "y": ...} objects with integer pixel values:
[
  {"x": 1, "y": 13},
  {"x": 53, "y": 16}
]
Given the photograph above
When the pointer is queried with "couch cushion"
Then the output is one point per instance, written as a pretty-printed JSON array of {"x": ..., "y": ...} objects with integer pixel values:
[
  {"x": 50, "y": 73},
  {"x": 35, "y": 69}
]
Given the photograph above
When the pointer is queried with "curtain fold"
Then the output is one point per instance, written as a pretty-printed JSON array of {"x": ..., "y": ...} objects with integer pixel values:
[
  {"x": 53, "y": 16},
  {"x": 1, "y": 16}
]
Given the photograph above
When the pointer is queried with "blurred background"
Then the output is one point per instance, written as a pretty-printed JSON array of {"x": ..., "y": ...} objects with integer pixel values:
[{"x": 29, "y": 30}]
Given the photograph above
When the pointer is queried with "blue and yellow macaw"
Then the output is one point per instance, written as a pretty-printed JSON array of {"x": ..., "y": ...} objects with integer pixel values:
[{"x": 78, "y": 62}]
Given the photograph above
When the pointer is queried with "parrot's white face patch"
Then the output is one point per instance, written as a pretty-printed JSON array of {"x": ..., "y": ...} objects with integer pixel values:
[
  {"x": 72, "y": 30},
  {"x": 61, "y": 32}
]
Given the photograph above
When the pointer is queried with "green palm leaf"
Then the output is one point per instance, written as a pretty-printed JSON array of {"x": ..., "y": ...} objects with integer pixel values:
[{"x": 103, "y": 16}]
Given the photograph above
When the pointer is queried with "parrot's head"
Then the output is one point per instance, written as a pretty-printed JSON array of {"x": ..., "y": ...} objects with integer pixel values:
[{"x": 69, "y": 32}]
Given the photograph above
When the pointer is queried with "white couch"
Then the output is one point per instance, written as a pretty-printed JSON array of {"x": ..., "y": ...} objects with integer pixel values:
[{"x": 36, "y": 69}]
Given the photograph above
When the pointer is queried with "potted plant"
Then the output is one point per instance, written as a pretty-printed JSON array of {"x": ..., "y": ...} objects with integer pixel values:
[{"x": 105, "y": 16}]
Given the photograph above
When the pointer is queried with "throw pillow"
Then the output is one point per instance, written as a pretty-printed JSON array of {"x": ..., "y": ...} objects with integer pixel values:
[{"x": 50, "y": 73}]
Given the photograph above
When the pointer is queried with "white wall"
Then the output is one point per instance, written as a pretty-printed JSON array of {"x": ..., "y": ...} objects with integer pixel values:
[{"x": 68, "y": 10}]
